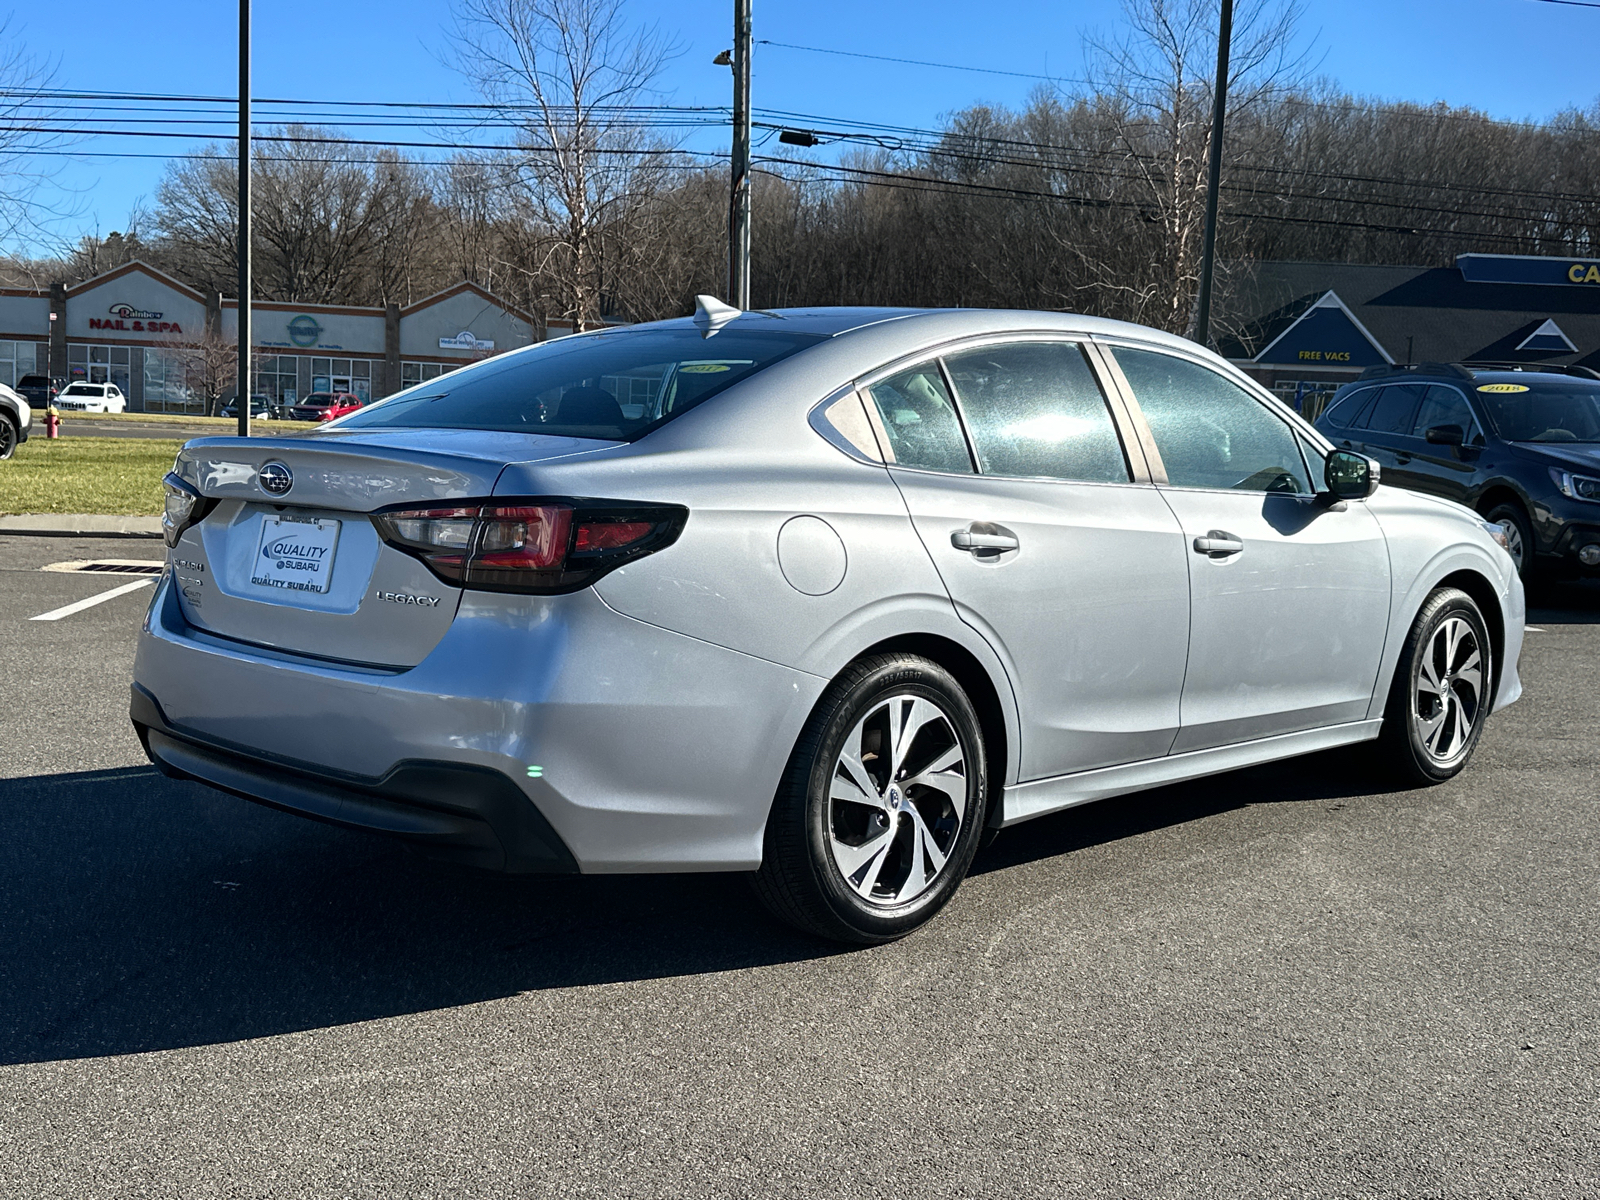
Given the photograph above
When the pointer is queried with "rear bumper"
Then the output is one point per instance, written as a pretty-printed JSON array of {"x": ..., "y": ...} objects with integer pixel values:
[
  {"x": 639, "y": 749},
  {"x": 470, "y": 815}
]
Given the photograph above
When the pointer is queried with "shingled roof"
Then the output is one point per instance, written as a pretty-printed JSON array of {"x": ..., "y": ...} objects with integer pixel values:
[{"x": 1416, "y": 313}]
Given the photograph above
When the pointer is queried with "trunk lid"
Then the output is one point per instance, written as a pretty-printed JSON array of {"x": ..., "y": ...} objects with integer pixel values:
[{"x": 300, "y": 568}]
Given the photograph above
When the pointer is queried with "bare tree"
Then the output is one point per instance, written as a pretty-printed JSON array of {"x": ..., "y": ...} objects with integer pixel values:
[
  {"x": 1153, "y": 91},
  {"x": 566, "y": 71},
  {"x": 207, "y": 366}
]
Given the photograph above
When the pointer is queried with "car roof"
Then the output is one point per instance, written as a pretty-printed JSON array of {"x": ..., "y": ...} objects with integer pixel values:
[{"x": 835, "y": 322}]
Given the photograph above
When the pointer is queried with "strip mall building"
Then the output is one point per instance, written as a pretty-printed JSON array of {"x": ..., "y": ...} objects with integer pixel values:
[
  {"x": 147, "y": 333},
  {"x": 1306, "y": 328}
]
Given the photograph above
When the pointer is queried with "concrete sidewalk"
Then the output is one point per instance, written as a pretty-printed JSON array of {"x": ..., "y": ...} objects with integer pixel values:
[{"x": 80, "y": 525}]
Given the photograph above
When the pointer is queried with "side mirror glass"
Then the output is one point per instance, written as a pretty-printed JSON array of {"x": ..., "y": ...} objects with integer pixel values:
[
  {"x": 1446, "y": 435},
  {"x": 1350, "y": 476}
]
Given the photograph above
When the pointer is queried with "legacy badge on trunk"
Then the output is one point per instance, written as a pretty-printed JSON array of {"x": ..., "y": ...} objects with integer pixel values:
[{"x": 295, "y": 555}]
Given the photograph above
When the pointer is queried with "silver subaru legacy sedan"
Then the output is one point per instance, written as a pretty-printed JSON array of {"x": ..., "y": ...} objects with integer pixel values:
[{"x": 827, "y": 596}]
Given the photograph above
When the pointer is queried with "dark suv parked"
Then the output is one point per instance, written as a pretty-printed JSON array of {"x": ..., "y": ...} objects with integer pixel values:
[
  {"x": 1520, "y": 444},
  {"x": 38, "y": 390}
]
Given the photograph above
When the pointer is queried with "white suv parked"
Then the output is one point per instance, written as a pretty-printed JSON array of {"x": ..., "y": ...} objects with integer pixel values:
[{"x": 92, "y": 397}]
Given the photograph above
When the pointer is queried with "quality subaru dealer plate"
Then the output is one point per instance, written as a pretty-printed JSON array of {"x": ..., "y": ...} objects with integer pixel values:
[{"x": 295, "y": 555}]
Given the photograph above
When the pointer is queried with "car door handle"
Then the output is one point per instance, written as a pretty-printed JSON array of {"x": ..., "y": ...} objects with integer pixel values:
[
  {"x": 982, "y": 538},
  {"x": 1218, "y": 543}
]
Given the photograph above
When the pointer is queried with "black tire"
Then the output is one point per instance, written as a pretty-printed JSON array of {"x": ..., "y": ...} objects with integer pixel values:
[
  {"x": 8, "y": 436},
  {"x": 1404, "y": 748},
  {"x": 802, "y": 880},
  {"x": 1512, "y": 515}
]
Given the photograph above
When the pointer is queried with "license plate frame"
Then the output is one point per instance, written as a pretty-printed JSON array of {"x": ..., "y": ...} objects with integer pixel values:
[{"x": 295, "y": 555}]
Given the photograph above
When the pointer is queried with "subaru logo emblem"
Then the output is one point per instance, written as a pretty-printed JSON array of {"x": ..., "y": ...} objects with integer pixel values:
[{"x": 276, "y": 479}]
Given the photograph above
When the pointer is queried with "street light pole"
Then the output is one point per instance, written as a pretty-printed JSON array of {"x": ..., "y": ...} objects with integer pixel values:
[
  {"x": 739, "y": 210},
  {"x": 1219, "y": 106},
  {"x": 242, "y": 387}
]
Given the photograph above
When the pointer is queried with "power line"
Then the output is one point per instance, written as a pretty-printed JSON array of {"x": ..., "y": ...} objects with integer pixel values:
[
  {"x": 917, "y": 62},
  {"x": 1573, "y": 3}
]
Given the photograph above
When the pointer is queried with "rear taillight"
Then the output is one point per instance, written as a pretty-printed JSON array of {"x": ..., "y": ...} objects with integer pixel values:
[{"x": 542, "y": 546}]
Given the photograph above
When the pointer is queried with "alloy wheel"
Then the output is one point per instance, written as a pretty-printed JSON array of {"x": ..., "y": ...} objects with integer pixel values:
[
  {"x": 1449, "y": 690},
  {"x": 897, "y": 800}
]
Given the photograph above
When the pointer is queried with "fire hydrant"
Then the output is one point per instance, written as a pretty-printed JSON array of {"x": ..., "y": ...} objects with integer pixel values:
[{"x": 52, "y": 423}]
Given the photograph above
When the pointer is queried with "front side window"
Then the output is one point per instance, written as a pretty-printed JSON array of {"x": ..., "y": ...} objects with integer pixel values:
[
  {"x": 1035, "y": 410},
  {"x": 1443, "y": 405},
  {"x": 583, "y": 386},
  {"x": 921, "y": 421},
  {"x": 1210, "y": 432}
]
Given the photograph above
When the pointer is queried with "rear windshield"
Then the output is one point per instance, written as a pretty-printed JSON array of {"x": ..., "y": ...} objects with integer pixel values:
[
  {"x": 615, "y": 385},
  {"x": 1543, "y": 410}
]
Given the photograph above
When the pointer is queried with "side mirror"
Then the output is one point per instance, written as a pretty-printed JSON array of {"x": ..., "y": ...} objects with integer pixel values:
[
  {"x": 1446, "y": 435},
  {"x": 1350, "y": 476}
]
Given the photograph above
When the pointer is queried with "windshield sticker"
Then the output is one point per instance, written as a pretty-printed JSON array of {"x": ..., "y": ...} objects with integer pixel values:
[
  {"x": 1502, "y": 387},
  {"x": 704, "y": 368}
]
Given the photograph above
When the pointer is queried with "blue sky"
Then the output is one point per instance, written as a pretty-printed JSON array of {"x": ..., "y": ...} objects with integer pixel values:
[{"x": 1512, "y": 58}]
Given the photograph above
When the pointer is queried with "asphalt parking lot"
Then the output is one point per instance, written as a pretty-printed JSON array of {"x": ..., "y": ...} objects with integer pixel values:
[{"x": 1290, "y": 981}]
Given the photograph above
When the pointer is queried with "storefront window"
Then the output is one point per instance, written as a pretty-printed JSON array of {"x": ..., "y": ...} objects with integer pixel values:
[
  {"x": 165, "y": 386},
  {"x": 16, "y": 360},
  {"x": 99, "y": 364},
  {"x": 277, "y": 378},
  {"x": 342, "y": 375},
  {"x": 413, "y": 373}
]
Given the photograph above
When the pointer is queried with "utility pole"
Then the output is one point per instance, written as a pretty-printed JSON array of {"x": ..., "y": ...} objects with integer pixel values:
[
  {"x": 242, "y": 390},
  {"x": 1219, "y": 107},
  {"x": 739, "y": 209}
]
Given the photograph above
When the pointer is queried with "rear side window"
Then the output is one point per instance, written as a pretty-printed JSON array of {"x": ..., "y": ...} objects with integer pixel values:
[
  {"x": 1211, "y": 433},
  {"x": 1396, "y": 406},
  {"x": 1347, "y": 413},
  {"x": 1034, "y": 409},
  {"x": 921, "y": 421},
  {"x": 615, "y": 385}
]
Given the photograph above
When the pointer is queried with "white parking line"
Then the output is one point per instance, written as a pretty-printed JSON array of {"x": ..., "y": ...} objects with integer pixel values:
[
  {"x": 55, "y": 614},
  {"x": 1531, "y": 629}
]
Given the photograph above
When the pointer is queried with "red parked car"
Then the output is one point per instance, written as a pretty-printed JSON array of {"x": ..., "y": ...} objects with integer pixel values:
[{"x": 325, "y": 406}]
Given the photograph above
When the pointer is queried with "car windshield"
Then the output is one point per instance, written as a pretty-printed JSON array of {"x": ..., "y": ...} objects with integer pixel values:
[
  {"x": 1543, "y": 410},
  {"x": 615, "y": 385},
  {"x": 83, "y": 389},
  {"x": 319, "y": 398}
]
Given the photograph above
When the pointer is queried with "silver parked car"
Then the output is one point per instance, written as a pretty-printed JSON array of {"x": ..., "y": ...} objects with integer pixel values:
[{"x": 822, "y": 595}]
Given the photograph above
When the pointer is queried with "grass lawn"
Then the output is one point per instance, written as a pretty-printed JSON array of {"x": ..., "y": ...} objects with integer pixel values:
[{"x": 117, "y": 476}]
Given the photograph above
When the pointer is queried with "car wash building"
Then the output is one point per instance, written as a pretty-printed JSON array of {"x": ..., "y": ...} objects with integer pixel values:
[
  {"x": 1303, "y": 329},
  {"x": 158, "y": 339}
]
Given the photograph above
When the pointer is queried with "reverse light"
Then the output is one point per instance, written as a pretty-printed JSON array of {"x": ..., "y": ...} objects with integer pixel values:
[
  {"x": 1576, "y": 487},
  {"x": 542, "y": 546}
]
